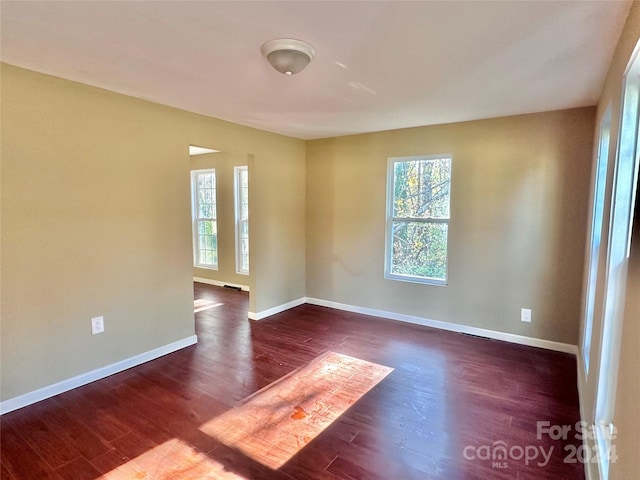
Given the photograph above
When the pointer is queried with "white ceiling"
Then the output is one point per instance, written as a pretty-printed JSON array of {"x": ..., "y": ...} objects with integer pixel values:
[{"x": 379, "y": 65}]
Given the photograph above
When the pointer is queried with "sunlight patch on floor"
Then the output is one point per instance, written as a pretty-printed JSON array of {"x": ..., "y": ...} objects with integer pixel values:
[
  {"x": 172, "y": 460},
  {"x": 275, "y": 423},
  {"x": 201, "y": 304}
]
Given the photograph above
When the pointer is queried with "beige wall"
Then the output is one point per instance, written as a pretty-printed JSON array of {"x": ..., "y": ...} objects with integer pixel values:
[
  {"x": 277, "y": 227},
  {"x": 96, "y": 221},
  {"x": 224, "y": 163},
  {"x": 517, "y": 232},
  {"x": 627, "y": 413}
]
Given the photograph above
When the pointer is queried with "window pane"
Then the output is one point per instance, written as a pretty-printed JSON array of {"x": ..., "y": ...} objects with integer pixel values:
[
  {"x": 208, "y": 180},
  {"x": 206, "y": 210},
  {"x": 421, "y": 188},
  {"x": 207, "y": 227},
  {"x": 420, "y": 249},
  {"x": 241, "y": 178}
]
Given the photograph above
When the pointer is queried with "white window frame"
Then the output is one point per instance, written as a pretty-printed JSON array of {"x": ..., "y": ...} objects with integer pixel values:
[
  {"x": 391, "y": 219},
  {"x": 239, "y": 219},
  {"x": 596, "y": 240},
  {"x": 623, "y": 198},
  {"x": 195, "y": 209}
]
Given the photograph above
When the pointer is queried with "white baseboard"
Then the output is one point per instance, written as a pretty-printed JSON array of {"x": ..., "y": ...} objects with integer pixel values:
[
  {"x": 278, "y": 309},
  {"x": 218, "y": 283},
  {"x": 453, "y": 327},
  {"x": 85, "y": 378}
]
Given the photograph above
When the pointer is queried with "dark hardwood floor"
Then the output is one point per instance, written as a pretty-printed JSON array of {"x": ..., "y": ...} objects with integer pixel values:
[{"x": 451, "y": 401}]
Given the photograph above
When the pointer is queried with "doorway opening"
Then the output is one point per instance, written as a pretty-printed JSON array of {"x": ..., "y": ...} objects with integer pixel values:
[{"x": 220, "y": 207}]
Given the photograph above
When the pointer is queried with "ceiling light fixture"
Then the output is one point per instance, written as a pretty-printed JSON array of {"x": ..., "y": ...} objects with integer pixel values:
[{"x": 287, "y": 55}]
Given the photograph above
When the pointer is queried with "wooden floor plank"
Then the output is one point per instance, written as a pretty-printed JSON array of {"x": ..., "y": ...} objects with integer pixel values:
[
  {"x": 74, "y": 432},
  {"x": 114, "y": 465},
  {"x": 20, "y": 459},
  {"x": 79, "y": 469},
  {"x": 4, "y": 472},
  {"x": 99, "y": 419},
  {"x": 42, "y": 438}
]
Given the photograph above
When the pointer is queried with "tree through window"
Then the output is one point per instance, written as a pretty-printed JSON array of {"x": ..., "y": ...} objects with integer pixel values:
[{"x": 418, "y": 195}]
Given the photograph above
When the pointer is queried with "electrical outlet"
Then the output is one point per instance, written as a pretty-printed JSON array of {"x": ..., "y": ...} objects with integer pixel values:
[
  {"x": 97, "y": 325},
  {"x": 525, "y": 315}
]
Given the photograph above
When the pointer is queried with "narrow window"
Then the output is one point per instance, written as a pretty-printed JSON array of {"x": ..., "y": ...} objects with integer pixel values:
[
  {"x": 203, "y": 212},
  {"x": 241, "y": 187},
  {"x": 418, "y": 197}
]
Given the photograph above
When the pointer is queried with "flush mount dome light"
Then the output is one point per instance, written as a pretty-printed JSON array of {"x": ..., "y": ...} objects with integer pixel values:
[{"x": 287, "y": 55}]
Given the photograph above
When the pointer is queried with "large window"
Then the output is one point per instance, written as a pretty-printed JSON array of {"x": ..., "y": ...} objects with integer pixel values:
[
  {"x": 418, "y": 193},
  {"x": 205, "y": 224},
  {"x": 241, "y": 184}
]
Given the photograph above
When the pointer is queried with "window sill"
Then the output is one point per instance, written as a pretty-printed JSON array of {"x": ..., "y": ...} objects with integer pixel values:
[
  {"x": 408, "y": 278},
  {"x": 206, "y": 267}
]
